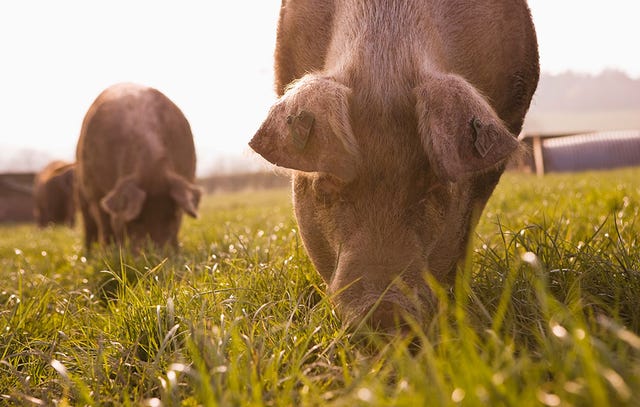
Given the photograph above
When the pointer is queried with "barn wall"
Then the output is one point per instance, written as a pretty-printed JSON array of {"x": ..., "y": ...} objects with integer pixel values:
[{"x": 16, "y": 201}]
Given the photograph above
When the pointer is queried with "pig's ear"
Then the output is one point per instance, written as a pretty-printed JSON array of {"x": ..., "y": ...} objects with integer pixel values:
[
  {"x": 124, "y": 202},
  {"x": 309, "y": 129},
  {"x": 460, "y": 132},
  {"x": 186, "y": 195}
]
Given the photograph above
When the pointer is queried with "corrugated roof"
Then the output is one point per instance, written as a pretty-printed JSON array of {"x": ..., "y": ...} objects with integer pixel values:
[{"x": 591, "y": 151}]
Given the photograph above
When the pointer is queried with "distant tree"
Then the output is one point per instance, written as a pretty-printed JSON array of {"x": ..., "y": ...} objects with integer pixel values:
[
  {"x": 26, "y": 160},
  {"x": 611, "y": 90}
]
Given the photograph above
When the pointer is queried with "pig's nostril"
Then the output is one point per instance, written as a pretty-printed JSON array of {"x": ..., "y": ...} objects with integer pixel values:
[{"x": 388, "y": 316}]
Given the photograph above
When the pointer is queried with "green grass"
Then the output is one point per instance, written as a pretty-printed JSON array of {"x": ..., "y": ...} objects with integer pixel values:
[{"x": 545, "y": 314}]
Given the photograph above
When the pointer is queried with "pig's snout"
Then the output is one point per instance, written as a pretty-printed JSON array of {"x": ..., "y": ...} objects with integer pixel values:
[
  {"x": 385, "y": 308},
  {"x": 388, "y": 316}
]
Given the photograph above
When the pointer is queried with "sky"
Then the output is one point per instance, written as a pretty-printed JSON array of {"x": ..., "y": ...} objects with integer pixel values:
[{"x": 214, "y": 60}]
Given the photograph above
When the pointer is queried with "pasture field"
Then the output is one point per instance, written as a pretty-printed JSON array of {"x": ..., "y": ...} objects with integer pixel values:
[{"x": 546, "y": 312}]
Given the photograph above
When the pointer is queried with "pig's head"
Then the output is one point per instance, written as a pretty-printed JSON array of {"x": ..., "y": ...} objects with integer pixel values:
[
  {"x": 139, "y": 215},
  {"x": 382, "y": 199},
  {"x": 54, "y": 198}
]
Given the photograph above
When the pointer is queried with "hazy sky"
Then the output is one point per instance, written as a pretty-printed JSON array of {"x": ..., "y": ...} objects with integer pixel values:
[{"x": 214, "y": 60}]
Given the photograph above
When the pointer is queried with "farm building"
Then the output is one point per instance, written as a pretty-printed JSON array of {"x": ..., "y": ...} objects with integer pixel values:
[
  {"x": 16, "y": 197},
  {"x": 581, "y": 152}
]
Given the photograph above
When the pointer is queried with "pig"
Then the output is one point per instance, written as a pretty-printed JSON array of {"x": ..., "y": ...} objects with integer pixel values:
[
  {"x": 53, "y": 194},
  {"x": 396, "y": 119},
  {"x": 136, "y": 166}
]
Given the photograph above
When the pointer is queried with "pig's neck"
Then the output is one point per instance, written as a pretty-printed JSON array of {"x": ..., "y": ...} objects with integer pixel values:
[{"x": 379, "y": 50}]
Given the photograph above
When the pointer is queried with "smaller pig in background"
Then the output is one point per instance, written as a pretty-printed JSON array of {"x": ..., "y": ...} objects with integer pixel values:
[
  {"x": 136, "y": 168},
  {"x": 53, "y": 194}
]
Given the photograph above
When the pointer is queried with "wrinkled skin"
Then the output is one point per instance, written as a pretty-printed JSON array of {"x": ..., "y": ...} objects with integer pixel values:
[
  {"x": 415, "y": 106},
  {"x": 135, "y": 168},
  {"x": 53, "y": 194}
]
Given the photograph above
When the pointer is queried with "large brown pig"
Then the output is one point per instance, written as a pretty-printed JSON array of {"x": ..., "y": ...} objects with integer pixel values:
[
  {"x": 136, "y": 165},
  {"x": 398, "y": 118},
  {"x": 53, "y": 194}
]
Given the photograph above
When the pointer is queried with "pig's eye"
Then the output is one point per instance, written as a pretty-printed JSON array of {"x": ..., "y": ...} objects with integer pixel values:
[{"x": 327, "y": 189}]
